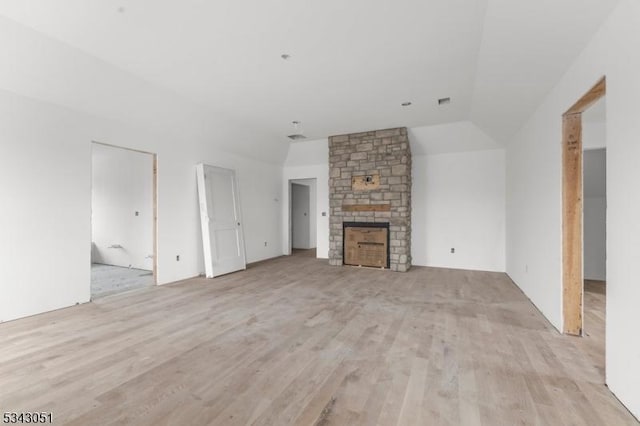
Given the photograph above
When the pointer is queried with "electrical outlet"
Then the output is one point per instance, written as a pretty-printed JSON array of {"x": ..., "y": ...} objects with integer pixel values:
[
  {"x": 453, "y": 250},
  {"x": 137, "y": 213},
  {"x": 177, "y": 258}
]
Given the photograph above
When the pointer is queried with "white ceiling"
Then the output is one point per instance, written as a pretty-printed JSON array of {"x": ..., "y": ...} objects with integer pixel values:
[{"x": 352, "y": 62}]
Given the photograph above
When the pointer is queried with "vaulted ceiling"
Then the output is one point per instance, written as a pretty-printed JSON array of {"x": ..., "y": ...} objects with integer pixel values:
[{"x": 352, "y": 63}]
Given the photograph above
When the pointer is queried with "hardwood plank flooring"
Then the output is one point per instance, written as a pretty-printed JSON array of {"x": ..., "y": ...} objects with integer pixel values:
[
  {"x": 295, "y": 341},
  {"x": 594, "y": 321}
]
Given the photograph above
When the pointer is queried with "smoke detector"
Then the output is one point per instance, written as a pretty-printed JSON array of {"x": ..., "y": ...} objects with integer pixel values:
[{"x": 297, "y": 134}]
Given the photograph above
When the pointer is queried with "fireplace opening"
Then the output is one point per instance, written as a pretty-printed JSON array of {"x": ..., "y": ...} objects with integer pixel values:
[{"x": 366, "y": 244}]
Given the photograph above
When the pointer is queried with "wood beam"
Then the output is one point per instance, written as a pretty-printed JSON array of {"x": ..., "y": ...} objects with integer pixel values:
[
  {"x": 591, "y": 97},
  {"x": 155, "y": 219},
  {"x": 366, "y": 207},
  {"x": 572, "y": 270}
]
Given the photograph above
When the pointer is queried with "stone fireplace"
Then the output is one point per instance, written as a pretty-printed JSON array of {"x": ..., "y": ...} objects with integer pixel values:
[{"x": 370, "y": 182}]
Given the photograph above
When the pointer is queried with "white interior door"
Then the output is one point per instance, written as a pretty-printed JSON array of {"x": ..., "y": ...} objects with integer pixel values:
[{"x": 221, "y": 223}]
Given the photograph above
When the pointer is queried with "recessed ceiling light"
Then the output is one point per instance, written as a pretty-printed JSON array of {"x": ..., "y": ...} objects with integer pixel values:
[
  {"x": 285, "y": 56},
  {"x": 444, "y": 101},
  {"x": 406, "y": 104}
]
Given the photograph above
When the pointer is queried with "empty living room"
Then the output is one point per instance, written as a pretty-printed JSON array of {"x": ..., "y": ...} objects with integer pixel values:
[{"x": 409, "y": 212}]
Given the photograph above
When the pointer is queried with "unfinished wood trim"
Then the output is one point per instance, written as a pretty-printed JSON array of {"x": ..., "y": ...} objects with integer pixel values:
[
  {"x": 591, "y": 97},
  {"x": 572, "y": 210},
  {"x": 572, "y": 223},
  {"x": 122, "y": 147},
  {"x": 366, "y": 246},
  {"x": 155, "y": 219},
  {"x": 366, "y": 207},
  {"x": 360, "y": 183}
]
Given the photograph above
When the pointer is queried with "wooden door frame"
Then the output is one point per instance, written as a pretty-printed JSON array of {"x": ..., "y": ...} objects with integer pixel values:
[
  {"x": 572, "y": 210},
  {"x": 154, "y": 190}
]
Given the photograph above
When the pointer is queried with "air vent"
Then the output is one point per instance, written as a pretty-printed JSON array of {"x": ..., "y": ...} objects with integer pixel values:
[
  {"x": 444, "y": 101},
  {"x": 297, "y": 137}
]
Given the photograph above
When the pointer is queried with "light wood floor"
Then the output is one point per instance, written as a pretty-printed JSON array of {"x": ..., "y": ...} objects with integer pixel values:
[
  {"x": 594, "y": 322},
  {"x": 295, "y": 341},
  {"x": 304, "y": 252}
]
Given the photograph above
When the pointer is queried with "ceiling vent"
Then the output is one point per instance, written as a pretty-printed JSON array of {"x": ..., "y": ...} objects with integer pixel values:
[
  {"x": 297, "y": 137},
  {"x": 444, "y": 101},
  {"x": 297, "y": 134}
]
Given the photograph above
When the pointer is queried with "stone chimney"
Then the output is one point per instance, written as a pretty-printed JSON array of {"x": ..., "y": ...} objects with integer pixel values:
[{"x": 370, "y": 182}]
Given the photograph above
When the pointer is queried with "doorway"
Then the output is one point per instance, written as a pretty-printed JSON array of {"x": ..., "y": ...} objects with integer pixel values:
[
  {"x": 123, "y": 220},
  {"x": 594, "y": 226},
  {"x": 572, "y": 210},
  {"x": 302, "y": 215}
]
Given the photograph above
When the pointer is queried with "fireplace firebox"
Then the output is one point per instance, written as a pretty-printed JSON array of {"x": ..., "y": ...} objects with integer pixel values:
[{"x": 366, "y": 244}]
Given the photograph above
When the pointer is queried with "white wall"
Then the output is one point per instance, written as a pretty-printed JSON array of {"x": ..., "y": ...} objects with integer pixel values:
[
  {"x": 45, "y": 170},
  {"x": 595, "y": 250},
  {"x": 452, "y": 193},
  {"x": 121, "y": 186},
  {"x": 306, "y": 160},
  {"x": 595, "y": 213},
  {"x": 458, "y": 201},
  {"x": 458, "y": 197},
  {"x": 594, "y": 134},
  {"x": 534, "y": 194}
]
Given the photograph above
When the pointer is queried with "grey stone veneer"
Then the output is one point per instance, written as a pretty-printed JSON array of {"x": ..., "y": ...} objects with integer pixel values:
[{"x": 383, "y": 152}]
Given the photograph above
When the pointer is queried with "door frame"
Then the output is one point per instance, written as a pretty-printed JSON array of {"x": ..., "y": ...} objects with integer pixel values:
[
  {"x": 308, "y": 189},
  {"x": 154, "y": 201},
  {"x": 572, "y": 210},
  {"x": 290, "y": 212}
]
